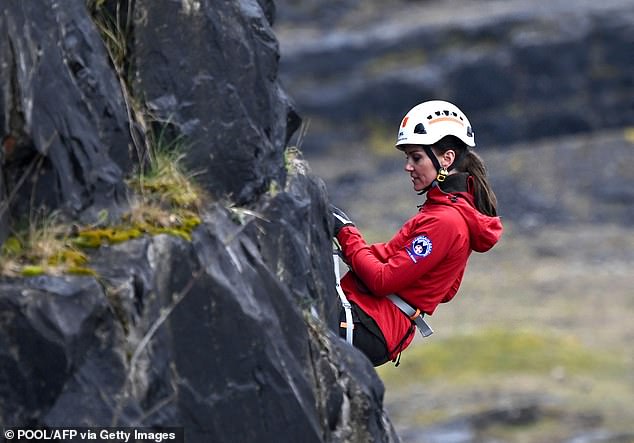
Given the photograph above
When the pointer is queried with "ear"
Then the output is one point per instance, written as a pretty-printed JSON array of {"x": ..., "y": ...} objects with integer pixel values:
[{"x": 447, "y": 158}]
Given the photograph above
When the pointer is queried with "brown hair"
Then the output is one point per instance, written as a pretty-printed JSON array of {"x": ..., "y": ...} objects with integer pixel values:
[{"x": 469, "y": 161}]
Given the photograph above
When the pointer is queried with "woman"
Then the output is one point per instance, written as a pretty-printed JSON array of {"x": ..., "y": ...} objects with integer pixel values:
[{"x": 424, "y": 262}]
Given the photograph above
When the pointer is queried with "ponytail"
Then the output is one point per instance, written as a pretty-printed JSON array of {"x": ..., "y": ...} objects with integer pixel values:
[
  {"x": 469, "y": 161},
  {"x": 485, "y": 199}
]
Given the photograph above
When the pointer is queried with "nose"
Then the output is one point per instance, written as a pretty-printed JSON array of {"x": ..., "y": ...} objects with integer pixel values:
[{"x": 408, "y": 166}]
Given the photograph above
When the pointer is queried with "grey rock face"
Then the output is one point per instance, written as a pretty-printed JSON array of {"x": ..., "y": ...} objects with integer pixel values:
[
  {"x": 229, "y": 335},
  {"x": 202, "y": 335},
  {"x": 196, "y": 61},
  {"x": 62, "y": 117}
]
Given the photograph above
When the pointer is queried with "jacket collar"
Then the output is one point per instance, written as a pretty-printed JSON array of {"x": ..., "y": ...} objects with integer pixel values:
[{"x": 454, "y": 183}]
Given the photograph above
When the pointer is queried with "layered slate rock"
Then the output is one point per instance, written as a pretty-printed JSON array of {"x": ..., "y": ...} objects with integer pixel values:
[
  {"x": 63, "y": 122},
  {"x": 204, "y": 335},
  {"x": 228, "y": 335},
  {"x": 194, "y": 60}
]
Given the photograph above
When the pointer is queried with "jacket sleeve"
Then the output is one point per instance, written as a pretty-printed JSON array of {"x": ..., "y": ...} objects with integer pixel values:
[{"x": 414, "y": 252}]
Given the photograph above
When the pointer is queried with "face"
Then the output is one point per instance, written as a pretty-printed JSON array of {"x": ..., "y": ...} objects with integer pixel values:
[{"x": 419, "y": 167}]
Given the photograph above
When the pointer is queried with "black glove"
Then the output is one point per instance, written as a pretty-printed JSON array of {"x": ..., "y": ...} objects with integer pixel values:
[{"x": 340, "y": 218}]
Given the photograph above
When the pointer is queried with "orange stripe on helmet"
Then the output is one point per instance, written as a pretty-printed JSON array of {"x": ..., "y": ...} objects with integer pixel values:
[{"x": 446, "y": 119}]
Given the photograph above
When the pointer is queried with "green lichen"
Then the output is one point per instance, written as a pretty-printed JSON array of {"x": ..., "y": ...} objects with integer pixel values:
[
  {"x": 52, "y": 251},
  {"x": 32, "y": 271},
  {"x": 68, "y": 256},
  {"x": 173, "y": 231},
  {"x": 81, "y": 270},
  {"x": 94, "y": 238}
]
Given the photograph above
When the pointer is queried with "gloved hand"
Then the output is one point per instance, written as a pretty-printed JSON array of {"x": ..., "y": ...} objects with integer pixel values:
[{"x": 340, "y": 218}]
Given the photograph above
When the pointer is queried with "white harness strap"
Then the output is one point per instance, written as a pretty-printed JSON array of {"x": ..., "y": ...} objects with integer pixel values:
[{"x": 344, "y": 301}]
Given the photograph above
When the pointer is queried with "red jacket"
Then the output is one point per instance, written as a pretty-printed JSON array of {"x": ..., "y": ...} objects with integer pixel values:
[{"x": 423, "y": 263}]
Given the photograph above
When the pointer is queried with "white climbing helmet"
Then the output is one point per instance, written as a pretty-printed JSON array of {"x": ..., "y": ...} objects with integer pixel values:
[{"x": 430, "y": 121}]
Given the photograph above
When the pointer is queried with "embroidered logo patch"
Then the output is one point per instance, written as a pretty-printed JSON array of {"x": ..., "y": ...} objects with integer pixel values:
[{"x": 420, "y": 248}]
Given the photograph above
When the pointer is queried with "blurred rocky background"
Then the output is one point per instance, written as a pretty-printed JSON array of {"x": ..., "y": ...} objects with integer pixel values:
[{"x": 537, "y": 346}]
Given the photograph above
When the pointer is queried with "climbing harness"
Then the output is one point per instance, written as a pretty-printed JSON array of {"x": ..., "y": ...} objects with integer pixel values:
[
  {"x": 349, "y": 325},
  {"x": 413, "y": 314}
]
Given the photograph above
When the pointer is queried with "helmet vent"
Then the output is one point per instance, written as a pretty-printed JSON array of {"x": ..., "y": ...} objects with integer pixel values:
[
  {"x": 446, "y": 112},
  {"x": 419, "y": 129}
]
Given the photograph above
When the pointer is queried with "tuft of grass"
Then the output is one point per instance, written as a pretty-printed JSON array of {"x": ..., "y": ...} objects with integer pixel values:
[
  {"x": 114, "y": 24},
  {"x": 114, "y": 27},
  {"x": 167, "y": 201},
  {"x": 43, "y": 247},
  {"x": 166, "y": 182}
]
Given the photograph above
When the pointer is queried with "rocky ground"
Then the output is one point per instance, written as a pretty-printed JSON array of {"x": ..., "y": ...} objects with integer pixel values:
[
  {"x": 354, "y": 74},
  {"x": 314, "y": 15}
]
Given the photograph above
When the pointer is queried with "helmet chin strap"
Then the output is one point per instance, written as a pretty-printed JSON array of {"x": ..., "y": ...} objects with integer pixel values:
[{"x": 441, "y": 172}]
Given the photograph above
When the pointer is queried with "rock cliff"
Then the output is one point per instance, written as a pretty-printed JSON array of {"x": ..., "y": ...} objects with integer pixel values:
[{"x": 224, "y": 330}]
